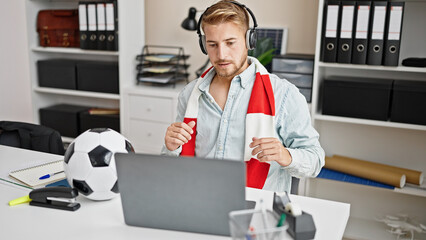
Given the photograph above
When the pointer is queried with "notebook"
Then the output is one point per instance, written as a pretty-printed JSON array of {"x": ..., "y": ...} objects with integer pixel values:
[
  {"x": 180, "y": 193},
  {"x": 30, "y": 176}
]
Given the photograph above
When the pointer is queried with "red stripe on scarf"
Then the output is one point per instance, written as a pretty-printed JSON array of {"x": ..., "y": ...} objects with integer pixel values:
[
  {"x": 256, "y": 173},
  {"x": 262, "y": 96},
  {"x": 204, "y": 74},
  {"x": 188, "y": 149}
]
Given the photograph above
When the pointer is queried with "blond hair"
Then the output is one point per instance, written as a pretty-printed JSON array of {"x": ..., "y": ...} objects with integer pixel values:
[{"x": 226, "y": 11}]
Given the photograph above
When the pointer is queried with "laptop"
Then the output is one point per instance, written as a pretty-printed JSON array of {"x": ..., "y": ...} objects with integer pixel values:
[{"x": 188, "y": 194}]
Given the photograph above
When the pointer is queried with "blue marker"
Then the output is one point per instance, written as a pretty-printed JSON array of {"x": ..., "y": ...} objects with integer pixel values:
[{"x": 49, "y": 175}]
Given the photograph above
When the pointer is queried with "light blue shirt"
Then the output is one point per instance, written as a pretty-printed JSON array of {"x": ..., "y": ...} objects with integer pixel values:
[{"x": 221, "y": 134}]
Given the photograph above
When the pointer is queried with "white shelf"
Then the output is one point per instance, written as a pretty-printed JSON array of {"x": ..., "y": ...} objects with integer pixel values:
[
  {"x": 76, "y": 93},
  {"x": 366, "y": 229},
  {"x": 413, "y": 190},
  {"x": 74, "y": 51},
  {"x": 369, "y": 122},
  {"x": 370, "y": 67}
]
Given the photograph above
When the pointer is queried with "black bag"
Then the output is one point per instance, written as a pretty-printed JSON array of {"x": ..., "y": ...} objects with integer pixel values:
[{"x": 31, "y": 136}]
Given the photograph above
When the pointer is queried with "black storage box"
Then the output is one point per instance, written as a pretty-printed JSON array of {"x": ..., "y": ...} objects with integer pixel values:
[
  {"x": 89, "y": 121},
  {"x": 357, "y": 97},
  {"x": 409, "y": 102},
  {"x": 97, "y": 76},
  {"x": 63, "y": 117},
  {"x": 57, "y": 73}
]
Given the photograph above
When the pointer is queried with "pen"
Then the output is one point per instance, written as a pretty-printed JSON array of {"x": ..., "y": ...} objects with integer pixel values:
[{"x": 49, "y": 175}]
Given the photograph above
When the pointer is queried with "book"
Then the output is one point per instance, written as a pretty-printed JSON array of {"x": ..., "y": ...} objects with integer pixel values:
[
  {"x": 31, "y": 176},
  {"x": 104, "y": 111},
  {"x": 339, "y": 176}
]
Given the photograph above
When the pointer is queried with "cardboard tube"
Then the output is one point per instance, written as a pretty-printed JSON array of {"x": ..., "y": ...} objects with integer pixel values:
[
  {"x": 412, "y": 176},
  {"x": 362, "y": 169}
]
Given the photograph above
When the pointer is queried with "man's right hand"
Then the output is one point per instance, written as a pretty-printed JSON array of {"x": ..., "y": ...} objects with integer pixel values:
[{"x": 177, "y": 134}]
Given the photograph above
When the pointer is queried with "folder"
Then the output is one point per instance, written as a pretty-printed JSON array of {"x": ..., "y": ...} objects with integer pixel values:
[
  {"x": 111, "y": 26},
  {"x": 82, "y": 19},
  {"x": 344, "y": 50},
  {"x": 330, "y": 31},
  {"x": 92, "y": 26},
  {"x": 393, "y": 33},
  {"x": 362, "y": 18},
  {"x": 116, "y": 25},
  {"x": 376, "y": 34},
  {"x": 101, "y": 26}
]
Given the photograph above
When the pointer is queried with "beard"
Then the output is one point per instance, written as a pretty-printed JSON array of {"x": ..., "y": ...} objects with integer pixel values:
[{"x": 232, "y": 69}]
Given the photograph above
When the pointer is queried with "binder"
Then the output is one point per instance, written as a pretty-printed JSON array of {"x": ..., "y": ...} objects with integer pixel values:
[
  {"x": 116, "y": 25},
  {"x": 92, "y": 26},
  {"x": 101, "y": 26},
  {"x": 393, "y": 33},
  {"x": 360, "y": 41},
  {"x": 82, "y": 18},
  {"x": 111, "y": 26},
  {"x": 344, "y": 50},
  {"x": 330, "y": 31},
  {"x": 376, "y": 33}
]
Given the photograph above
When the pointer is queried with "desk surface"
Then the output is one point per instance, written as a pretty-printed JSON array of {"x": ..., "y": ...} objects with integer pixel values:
[{"x": 104, "y": 219}]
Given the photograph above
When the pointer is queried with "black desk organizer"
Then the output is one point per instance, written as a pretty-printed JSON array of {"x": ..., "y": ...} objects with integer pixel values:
[{"x": 160, "y": 65}]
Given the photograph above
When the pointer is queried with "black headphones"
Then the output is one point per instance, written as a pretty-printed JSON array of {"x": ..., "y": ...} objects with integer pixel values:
[{"x": 251, "y": 35}]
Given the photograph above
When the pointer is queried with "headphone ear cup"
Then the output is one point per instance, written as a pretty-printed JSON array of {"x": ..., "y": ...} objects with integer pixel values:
[
  {"x": 251, "y": 39},
  {"x": 202, "y": 42}
]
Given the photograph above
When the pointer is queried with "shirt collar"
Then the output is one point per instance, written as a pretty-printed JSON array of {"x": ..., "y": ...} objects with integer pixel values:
[{"x": 245, "y": 77}]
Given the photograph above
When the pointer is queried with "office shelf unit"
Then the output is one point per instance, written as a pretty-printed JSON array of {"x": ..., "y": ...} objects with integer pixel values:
[
  {"x": 392, "y": 143},
  {"x": 131, "y": 40}
]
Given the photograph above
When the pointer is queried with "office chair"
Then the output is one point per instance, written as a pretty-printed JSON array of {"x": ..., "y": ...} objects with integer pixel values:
[
  {"x": 294, "y": 185},
  {"x": 31, "y": 136}
]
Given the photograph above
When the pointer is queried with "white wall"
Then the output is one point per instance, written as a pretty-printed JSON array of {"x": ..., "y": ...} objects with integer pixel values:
[{"x": 15, "y": 87}]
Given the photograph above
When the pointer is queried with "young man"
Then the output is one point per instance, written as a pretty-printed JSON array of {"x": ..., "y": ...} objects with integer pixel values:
[{"x": 236, "y": 110}]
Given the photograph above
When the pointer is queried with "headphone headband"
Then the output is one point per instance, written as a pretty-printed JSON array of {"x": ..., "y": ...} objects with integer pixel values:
[
  {"x": 233, "y": 2},
  {"x": 251, "y": 35}
]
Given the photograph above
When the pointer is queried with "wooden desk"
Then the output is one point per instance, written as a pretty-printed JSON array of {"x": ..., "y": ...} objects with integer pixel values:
[{"x": 104, "y": 219}]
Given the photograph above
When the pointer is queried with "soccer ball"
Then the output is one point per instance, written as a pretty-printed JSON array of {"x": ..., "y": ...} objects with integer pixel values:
[{"x": 89, "y": 162}]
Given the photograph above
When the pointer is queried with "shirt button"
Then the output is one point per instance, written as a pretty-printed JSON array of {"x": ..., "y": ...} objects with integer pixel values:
[
  {"x": 225, "y": 121},
  {"x": 220, "y": 148}
]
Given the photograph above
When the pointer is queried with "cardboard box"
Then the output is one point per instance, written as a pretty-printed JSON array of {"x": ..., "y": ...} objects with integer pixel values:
[
  {"x": 63, "y": 117},
  {"x": 409, "y": 102},
  {"x": 357, "y": 97},
  {"x": 57, "y": 73}
]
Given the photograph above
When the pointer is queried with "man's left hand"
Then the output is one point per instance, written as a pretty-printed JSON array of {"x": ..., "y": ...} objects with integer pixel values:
[{"x": 270, "y": 149}]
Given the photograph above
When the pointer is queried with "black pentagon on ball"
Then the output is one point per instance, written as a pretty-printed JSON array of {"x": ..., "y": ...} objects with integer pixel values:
[
  {"x": 115, "y": 187},
  {"x": 82, "y": 187},
  {"x": 129, "y": 147},
  {"x": 100, "y": 156},
  {"x": 69, "y": 153},
  {"x": 99, "y": 130}
]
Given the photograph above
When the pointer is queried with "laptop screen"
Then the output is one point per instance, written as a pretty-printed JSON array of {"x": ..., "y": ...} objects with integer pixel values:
[{"x": 180, "y": 193}]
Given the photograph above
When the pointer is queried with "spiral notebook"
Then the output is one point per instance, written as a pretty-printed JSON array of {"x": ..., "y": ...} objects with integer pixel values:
[{"x": 31, "y": 176}]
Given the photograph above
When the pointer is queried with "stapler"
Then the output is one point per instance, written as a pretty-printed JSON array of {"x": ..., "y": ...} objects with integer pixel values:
[
  {"x": 301, "y": 225},
  {"x": 63, "y": 198}
]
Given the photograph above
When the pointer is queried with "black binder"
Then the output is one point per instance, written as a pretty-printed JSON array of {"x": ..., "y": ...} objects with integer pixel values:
[
  {"x": 393, "y": 33},
  {"x": 92, "y": 25},
  {"x": 376, "y": 33},
  {"x": 101, "y": 26},
  {"x": 116, "y": 25},
  {"x": 330, "y": 27},
  {"x": 111, "y": 26},
  {"x": 344, "y": 50},
  {"x": 82, "y": 21},
  {"x": 361, "y": 29}
]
